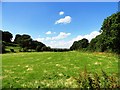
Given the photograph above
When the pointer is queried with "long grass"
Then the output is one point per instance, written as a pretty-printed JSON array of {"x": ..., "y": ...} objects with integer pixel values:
[{"x": 55, "y": 69}]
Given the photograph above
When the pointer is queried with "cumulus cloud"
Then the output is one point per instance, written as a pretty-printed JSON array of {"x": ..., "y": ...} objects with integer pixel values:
[
  {"x": 48, "y": 32},
  {"x": 61, "y": 13},
  {"x": 40, "y": 39},
  {"x": 61, "y": 35},
  {"x": 65, "y": 20},
  {"x": 59, "y": 42},
  {"x": 88, "y": 36}
]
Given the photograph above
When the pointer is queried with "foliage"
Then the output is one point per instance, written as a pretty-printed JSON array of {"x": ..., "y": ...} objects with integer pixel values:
[
  {"x": 25, "y": 41},
  {"x": 38, "y": 48},
  {"x": 45, "y": 48},
  {"x": 17, "y": 38},
  {"x": 79, "y": 44},
  {"x": 2, "y": 47},
  {"x": 6, "y": 36},
  {"x": 109, "y": 39}
]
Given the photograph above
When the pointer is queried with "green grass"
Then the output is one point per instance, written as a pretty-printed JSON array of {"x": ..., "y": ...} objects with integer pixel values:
[
  {"x": 16, "y": 49},
  {"x": 53, "y": 69}
]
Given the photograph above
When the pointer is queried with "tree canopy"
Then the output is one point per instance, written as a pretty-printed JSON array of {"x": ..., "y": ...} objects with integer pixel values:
[
  {"x": 80, "y": 44},
  {"x": 109, "y": 39},
  {"x": 6, "y": 36}
]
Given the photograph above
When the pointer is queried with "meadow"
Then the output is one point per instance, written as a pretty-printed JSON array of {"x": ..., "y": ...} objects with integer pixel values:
[{"x": 55, "y": 69}]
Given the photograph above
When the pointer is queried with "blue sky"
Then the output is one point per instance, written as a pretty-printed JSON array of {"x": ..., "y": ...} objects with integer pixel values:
[{"x": 57, "y": 24}]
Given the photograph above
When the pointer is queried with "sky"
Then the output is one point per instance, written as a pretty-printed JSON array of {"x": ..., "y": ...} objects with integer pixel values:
[{"x": 56, "y": 24}]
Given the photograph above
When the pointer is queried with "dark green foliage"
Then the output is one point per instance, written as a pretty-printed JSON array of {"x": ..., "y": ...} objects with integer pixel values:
[
  {"x": 12, "y": 50},
  {"x": 111, "y": 32},
  {"x": 17, "y": 38},
  {"x": 6, "y": 36},
  {"x": 38, "y": 48},
  {"x": 25, "y": 49},
  {"x": 0, "y": 35},
  {"x": 25, "y": 41},
  {"x": 109, "y": 39},
  {"x": 59, "y": 49},
  {"x": 34, "y": 44},
  {"x": 79, "y": 44},
  {"x": 45, "y": 48},
  {"x": 2, "y": 47}
]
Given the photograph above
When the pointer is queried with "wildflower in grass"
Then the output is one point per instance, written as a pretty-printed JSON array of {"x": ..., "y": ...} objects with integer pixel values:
[
  {"x": 42, "y": 82},
  {"x": 45, "y": 71},
  {"x": 60, "y": 74},
  {"x": 29, "y": 69},
  {"x": 18, "y": 65},
  {"x": 49, "y": 57},
  {"x": 36, "y": 81},
  {"x": 26, "y": 66},
  {"x": 97, "y": 63},
  {"x": 64, "y": 67},
  {"x": 58, "y": 65},
  {"x": 48, "y": 85}
]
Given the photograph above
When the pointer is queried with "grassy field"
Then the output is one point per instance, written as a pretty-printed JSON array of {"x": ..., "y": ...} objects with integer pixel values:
[{"x": 53, "y": 69}]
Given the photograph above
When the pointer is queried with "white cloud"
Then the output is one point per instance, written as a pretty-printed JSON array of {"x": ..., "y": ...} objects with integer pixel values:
[
  {"x": 48, "y": 32},
  {"x": 65, "y": 20},
  {"x": 40, "y": 39},
  {"x": 61, "y": 35},
  {"x": 88, "y": 36},
  {"x": 59, "y": 42},
  {"x": 61, "y": 13}
]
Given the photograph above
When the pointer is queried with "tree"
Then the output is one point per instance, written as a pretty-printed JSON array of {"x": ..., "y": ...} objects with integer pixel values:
[
  {"x": 6, "y": 36},
  {"x": 35, "y": 43},
  {"x": 17, "y": 38},
  {"x": 74, "y": 46},
  {"x": 79, "y": 44},
  {"x": 109, "y": 39},
  {"x": 24, "y": 40},
  {"x": 45, "y": 48},
  {"x": 83, "y": 43}
]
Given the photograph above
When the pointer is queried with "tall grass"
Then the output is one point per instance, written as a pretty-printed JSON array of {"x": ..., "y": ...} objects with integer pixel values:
[{"x": 89, "y": 80}]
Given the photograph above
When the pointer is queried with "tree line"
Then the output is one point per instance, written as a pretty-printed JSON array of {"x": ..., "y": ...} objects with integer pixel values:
[
  {"x": 25, "y": 42},
  {"x": 107, "y": 41}
]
